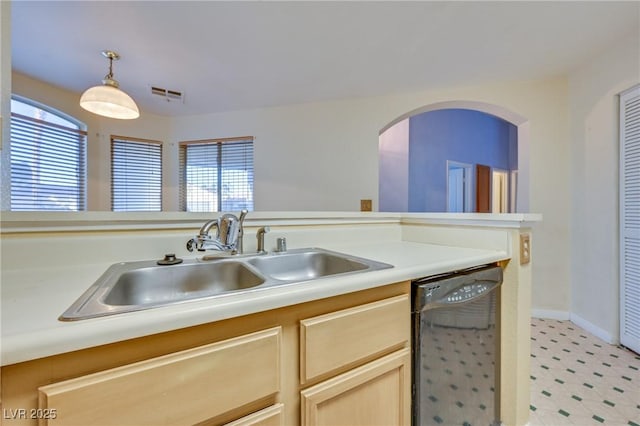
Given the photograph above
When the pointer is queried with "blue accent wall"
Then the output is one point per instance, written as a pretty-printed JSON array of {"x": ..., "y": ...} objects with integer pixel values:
[{"x": 460, "y": 135}]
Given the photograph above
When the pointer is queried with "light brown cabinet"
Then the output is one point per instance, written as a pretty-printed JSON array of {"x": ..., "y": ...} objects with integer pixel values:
[
  {"x": 378, "y": 393},
  {"x": 373, "y": 342},
  {"x": 187, "y": 387},
  {"x": 321, "y": 357},
  {"x": 347, "y": 337}
]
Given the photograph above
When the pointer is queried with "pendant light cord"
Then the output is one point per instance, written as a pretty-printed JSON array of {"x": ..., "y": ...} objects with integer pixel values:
[{"x": 110, "y": 75}]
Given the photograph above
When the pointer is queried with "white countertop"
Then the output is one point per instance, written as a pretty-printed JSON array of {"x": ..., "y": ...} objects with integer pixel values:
[
  {"x": 29, "y": 222},
  {"x": 34, "y": 299}
]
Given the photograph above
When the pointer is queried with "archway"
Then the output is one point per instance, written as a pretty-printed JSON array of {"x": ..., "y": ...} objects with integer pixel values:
[{"x": 395, "y": 156}]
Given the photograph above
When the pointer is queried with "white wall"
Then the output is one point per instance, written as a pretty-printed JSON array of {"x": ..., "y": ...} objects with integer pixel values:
[
  {"x": 148, "y": 126},
  {"x": 394, "y": 168},
  {"x": 319, "y": 156},
  {"x": 339, "y": 141},
  {"x": 593, "y": 102}
]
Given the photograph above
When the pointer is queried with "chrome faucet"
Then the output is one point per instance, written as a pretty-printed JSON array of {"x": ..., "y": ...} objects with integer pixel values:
[{"x": 229, "y": 233}]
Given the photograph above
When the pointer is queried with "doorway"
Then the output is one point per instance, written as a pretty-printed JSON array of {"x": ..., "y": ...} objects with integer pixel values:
[
  {"x": 499, "y": 191},
  {"x": 425, "y": 163}
]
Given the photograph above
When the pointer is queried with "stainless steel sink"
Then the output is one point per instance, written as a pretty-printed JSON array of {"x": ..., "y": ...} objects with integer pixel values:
[
  {"x": 134, "y": 286},
  {"x": 153, "y": 285},
  {"x": 306, "y": 265}
]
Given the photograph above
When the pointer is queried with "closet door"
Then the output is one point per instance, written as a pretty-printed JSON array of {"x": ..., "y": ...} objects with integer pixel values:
[{"x": 630, "y": 218}]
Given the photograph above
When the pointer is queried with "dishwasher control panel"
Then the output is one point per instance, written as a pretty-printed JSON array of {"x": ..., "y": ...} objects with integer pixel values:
[
  {"x": 455, "y": 288},
  {"x": 469, "y": 291}
]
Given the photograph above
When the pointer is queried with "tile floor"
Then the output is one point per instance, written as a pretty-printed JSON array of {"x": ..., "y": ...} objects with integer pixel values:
[{"x": 577, "y": 379}]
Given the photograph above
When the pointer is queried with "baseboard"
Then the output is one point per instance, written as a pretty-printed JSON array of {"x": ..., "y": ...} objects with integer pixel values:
[
  {"x": 549, "y": 314},
  {"x": 577, "y": 320},
  {"x": 593, "y": 329}
]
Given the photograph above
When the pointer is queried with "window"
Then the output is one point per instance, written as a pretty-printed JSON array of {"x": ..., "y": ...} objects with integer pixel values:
[
  {"x": 136, "y": 174},
  {"x": 216, "y": 175},
  {"x": 48, "y": 158}
]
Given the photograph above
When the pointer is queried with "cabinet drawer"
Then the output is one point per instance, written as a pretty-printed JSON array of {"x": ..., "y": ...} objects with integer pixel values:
[
  {"x": 185, "y": 387},
  {"x": 270, "y": 416},
  {"x": 344, "y": 338}
]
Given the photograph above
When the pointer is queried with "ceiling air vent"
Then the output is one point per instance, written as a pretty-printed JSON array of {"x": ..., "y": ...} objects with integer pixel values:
[{"x": 168, "y": 95}]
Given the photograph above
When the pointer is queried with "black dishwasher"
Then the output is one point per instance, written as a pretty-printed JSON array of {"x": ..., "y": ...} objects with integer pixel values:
[{"x": 455, "y": 348}]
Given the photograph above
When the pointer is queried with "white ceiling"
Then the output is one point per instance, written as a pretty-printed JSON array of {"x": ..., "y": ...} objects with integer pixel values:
[{"x": 242, "y": 55}]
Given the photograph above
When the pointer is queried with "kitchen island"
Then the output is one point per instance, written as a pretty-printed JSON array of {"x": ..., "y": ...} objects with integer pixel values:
[{"x": 36, "y": 290}]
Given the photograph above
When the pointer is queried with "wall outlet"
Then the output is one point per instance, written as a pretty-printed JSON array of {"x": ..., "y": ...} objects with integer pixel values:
[
  {"x": 525, "y": 249},
  {"x": 366, "y": 206}
]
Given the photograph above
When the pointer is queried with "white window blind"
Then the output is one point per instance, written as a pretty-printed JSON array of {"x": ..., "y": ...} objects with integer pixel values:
[
  {"x": 47, "y": 160},
  {"x": 136, "y": 174},
  {"x": 630, "y": 219},
  {"x": 216, "y": 175}
]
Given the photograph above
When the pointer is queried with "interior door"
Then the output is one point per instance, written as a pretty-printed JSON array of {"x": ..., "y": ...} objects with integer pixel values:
[
  {"x": 459, "y": 181},
  {"x": 499, "y": 191},
  {"x": 455, "y": 199},
  {"x": 630, "y": 219},
  {"x": 483, "y": 189}
]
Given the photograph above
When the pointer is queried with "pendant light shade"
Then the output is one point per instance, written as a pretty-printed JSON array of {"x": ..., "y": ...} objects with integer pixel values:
[{"x": 108, "y": 100}]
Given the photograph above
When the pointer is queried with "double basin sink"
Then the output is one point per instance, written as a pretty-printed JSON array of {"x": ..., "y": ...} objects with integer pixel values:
[{"x": 134, "y": 286}]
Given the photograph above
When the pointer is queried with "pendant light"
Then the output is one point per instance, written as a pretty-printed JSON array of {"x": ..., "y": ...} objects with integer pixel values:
[{"x": 108, "y": 100}]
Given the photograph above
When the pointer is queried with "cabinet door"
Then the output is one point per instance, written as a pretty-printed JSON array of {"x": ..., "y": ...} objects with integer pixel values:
[
  {"x": 378, "y": 393},
  {"x": 343, "y": 339},
  {"x": 186, "y": 387},
  {"x": 270, "y": 416}
]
